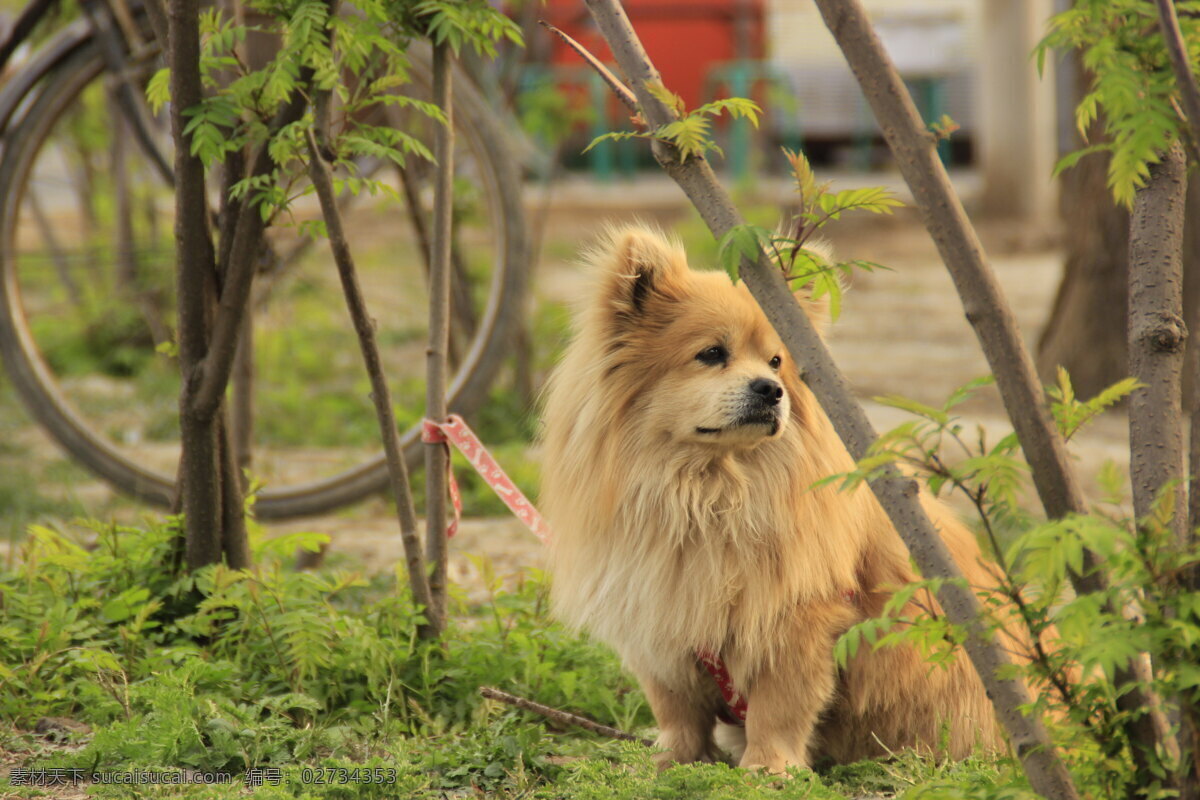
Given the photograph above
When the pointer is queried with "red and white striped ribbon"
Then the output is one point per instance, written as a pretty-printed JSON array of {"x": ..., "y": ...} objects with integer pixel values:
[{"x": 456, "y": 431}]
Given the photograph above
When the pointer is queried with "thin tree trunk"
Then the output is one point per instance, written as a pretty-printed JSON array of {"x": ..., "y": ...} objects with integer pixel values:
[
  {"x": 235, "y": 542},
  {"x": 199, "y": 469},
  {"x": 898, "y": 495},
  {"x": 212, "y": 306},
  {"x": 986, "y": 309},
  {"x": 1157, "y": 334},
  {"x": 242, "y": 406},
  {"x": 237, "y": 271},
  {"x": 437, "y": 457},
  {"x": 364, "y": 327},
  {"x": 461, "y": 307}
]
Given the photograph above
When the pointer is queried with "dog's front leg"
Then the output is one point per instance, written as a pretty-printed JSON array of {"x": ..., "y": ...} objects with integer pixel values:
[
  {"x": 787, "y": 696},
  {"x": 685, "y": 713}
]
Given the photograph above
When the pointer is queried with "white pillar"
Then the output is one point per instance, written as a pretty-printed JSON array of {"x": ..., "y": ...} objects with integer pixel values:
[{"x": 1017, "y": 131}]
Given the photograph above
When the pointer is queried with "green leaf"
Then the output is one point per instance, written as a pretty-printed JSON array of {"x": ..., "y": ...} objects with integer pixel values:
[
  {"x": 615, "y": 136},
  {"x": 963, "y": 392},
  {"x": 742, "y": 241},
  {"x": 913, "y": 407},
  {"x": 1073, "y": 158},
  {"x": 736, "y": 107},
  {"x": 666, "y": 96},
  {"x": 158, "y": 89}
]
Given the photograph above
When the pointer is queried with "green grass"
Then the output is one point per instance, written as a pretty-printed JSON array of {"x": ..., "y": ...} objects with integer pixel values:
[
  {"x": 33, "y": 488},
  {"x": 298, "y": 672}
]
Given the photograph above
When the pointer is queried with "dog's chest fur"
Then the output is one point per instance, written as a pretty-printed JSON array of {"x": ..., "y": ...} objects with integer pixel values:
[{"x": 693, "y": 556}]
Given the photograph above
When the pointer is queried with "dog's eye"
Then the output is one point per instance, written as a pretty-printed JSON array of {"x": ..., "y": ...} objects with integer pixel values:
[
  {"x": 712, "y": 355},
  {"x": 775, "y": 362}
]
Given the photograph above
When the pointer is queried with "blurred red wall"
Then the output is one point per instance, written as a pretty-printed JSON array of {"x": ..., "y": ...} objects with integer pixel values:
[{"x": 683, "y": 37}]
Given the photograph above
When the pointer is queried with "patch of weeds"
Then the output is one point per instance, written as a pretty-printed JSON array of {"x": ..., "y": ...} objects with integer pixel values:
[
  {"x": 226, "y": 670},
  {"x": 632, "y": 775},
  {"x": 322, "y": 674}
]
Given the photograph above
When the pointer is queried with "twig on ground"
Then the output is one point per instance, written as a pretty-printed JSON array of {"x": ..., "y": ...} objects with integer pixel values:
[{"x": 561, "y": 717}]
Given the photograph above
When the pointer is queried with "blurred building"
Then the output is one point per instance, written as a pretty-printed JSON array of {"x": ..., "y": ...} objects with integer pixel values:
[{"x": 968, "y": 59}]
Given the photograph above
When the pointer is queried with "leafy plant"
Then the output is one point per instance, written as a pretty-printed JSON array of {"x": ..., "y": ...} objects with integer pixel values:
[
  {"x": 1077, "y": 644},
  {"x": 691, "y": 133},
  {"x": 1132, "y": 83},
  {"x": 1071, "y": 414},
  {"x": 362, "y": 57},
  {"x": 802, "y": 264},
  {"x": 229, "y": 669}
]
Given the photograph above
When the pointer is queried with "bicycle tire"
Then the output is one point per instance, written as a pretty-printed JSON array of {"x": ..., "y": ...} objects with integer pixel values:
[{"x": 38, "y": 388}]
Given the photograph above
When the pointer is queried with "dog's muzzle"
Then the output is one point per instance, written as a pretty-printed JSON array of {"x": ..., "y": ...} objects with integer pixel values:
[{"x": 762, "y": 406}]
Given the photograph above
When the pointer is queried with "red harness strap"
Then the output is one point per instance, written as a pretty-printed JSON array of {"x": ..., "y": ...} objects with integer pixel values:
[{"x": 734, "y": 710}]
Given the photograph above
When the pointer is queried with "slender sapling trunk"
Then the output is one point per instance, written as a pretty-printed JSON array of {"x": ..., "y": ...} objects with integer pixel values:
[
  {"x": 437, "y": 456},
  {"x": 364, "y": 328}
]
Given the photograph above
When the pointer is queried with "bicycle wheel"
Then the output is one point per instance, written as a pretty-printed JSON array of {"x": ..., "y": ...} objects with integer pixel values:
[{"x": 87, "y": 286}]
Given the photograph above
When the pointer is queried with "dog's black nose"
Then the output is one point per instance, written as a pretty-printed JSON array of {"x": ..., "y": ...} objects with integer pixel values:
[{"x": 767, "y": 390}]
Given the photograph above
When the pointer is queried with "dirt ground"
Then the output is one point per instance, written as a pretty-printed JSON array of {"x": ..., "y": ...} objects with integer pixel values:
[{"x": 901, "y": 332}]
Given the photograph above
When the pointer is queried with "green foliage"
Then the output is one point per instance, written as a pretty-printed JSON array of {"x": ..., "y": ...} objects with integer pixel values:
[
  {"x": 548, "y": 114},
  {"x": 224, "y": 669},
  {"x": 1071, "y": 414},
  {"x": 691, "y": 133},
  {"x": 473, "y": 22},
  {"x": 361, "y": 57},
  {"x": 806, "y": 267},
  {"x": 1132, "y": 83},
  {"x": 302, "y": 671},
  {"x": 1069, "y": 647},
  {"x": 944, "y": 128}
]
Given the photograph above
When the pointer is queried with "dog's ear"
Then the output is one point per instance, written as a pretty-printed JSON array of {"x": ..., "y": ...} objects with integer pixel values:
[
  {"x": 818, "y": 310},
  {"x": 639, "y": 265}
]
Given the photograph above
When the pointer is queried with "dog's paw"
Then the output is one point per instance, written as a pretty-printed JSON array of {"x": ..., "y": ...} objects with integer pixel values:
[
  {"x": 771, "y": 764},
  {"x": 708, "y": 754}
]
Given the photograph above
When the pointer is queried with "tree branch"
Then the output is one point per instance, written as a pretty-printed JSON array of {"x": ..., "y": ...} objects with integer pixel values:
[
  {"x": 1189, "y": 90},
  {"x": 561, "y": 717},
  {"x": 238, "y": 272},
  {"x": 986, "y": 308},
  {"x": 619, "y": 89},
  {"x": 364, "y": 327},
  {"x": 898, "y": 495}
]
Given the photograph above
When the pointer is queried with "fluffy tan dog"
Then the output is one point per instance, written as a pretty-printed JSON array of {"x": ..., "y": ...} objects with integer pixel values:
[{"x": 681, "y": 448}]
